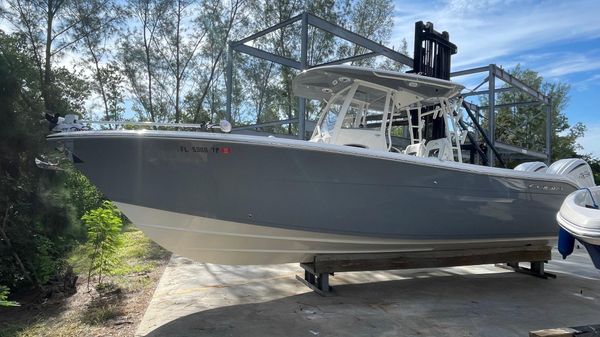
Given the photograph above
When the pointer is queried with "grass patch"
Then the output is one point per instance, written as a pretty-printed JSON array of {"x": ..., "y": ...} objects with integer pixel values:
[
  {"x": 137, "y": 255},
  {"x": 65, "y": 328},
  {"x": 11, "y": 330},
  {"x": 99, "y": 314},
  {"x": 104, "y": 308},
  {"x": 79, "y": 260},
  {"x": 138, "y": 246}
]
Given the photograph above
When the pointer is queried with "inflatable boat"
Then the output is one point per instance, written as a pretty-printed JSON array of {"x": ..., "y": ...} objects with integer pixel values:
[{"x": 579, "y": 217}]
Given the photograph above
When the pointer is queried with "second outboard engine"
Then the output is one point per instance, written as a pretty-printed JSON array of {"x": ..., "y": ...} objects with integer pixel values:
[
  {"x": 532, "y": 166},
  {"x": 574, "y": 168}
]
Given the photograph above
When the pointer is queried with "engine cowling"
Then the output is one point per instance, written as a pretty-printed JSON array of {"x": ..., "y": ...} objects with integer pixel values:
[
  {"x": 575, "y": 168},
  {"x": 532, "y": 166}
]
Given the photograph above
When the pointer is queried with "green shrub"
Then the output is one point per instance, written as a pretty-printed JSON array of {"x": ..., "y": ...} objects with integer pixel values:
[
  {"x": 103, "y": 230},
  {"x": 4, "y": 302}
]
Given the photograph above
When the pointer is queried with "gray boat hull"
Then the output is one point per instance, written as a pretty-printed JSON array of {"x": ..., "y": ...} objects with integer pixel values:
[{"x": 236, "y": 199}]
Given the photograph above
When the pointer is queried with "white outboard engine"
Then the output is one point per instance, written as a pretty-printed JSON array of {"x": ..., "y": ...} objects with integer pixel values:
[
  {"x": 532, "y": 166},
  {"x": 575, "y": 168}
]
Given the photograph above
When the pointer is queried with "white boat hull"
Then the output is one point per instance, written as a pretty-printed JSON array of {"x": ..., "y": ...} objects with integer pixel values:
[{"x": 225, "y": 242}]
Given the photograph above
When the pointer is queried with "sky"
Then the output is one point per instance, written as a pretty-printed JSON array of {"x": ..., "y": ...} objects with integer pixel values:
[{"x": 558, "y": 39}]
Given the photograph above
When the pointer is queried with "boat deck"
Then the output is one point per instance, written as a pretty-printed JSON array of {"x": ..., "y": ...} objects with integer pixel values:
[{"x": 213, "y": 300}]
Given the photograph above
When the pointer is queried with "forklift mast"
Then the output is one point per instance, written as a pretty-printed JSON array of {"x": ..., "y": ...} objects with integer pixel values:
[{"x": 432, "y": 57}]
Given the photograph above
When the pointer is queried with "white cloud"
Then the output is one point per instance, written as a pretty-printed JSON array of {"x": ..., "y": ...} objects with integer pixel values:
[
  {"x": 469, "y": 6},
  {"x": 487, "y": 31},
  {"x": 587, "y": 83},
  {"x": 591, "y": 140},
  {"x": 566, "y": 63}
]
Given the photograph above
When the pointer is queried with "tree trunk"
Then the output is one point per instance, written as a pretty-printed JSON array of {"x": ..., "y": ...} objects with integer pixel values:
[
  {"x": 263, "y": 89},
  {"x": 100, "y": 80},
  {"x": 148, "y": 65},
  {"x": 213, "y": 69},
  {"x": 178, "y": 74},
  {"x": 46, "y": 83},
  {"x": 284, "y": 73},
  {"x": 207, "y": 86},
  {"x": 91, "y": 268}
]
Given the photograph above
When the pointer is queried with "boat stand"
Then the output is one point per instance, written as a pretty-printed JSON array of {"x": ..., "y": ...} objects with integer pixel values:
[
  {"x": 319, "y": 283},
  {"x": 536, "y": 269},
  {"x": 317, "y": 272}
]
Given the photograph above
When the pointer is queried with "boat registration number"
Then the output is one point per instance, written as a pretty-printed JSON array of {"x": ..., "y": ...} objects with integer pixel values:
[{"x": 204, "y": 149}]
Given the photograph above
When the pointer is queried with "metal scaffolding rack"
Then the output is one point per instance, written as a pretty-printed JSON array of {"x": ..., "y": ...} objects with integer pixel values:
[
  {"x": 306, "y": 19},
  {"x": 495, "y": 149}
]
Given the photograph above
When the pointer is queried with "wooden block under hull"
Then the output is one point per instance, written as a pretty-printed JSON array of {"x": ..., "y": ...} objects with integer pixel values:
[{"x": 329, "y": 263}]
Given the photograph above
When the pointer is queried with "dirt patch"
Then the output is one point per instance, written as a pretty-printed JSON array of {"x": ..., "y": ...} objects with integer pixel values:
[{"x": 115, "y": 311}]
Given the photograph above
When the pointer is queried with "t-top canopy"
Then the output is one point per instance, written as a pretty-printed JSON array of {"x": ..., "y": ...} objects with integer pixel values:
[{"x": 324, "y": 82}]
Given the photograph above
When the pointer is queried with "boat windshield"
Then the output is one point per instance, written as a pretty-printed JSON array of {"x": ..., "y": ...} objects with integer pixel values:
[
  {"x": 349, "y": 114},
  {"x": 330, "y": 116},
  {"x": 366, "y": 108}
]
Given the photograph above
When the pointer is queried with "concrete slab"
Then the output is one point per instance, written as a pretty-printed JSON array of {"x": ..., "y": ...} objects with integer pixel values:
[{"x": 195, "y": 299}]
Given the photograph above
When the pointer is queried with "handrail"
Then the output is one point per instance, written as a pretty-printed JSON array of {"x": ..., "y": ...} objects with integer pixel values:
[
  {"x": 175, "y": 125},
  {"x": 223, "y": 125}
]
